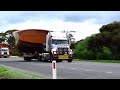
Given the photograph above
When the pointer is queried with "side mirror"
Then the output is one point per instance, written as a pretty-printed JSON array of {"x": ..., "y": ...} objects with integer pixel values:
[{"x": 49, "y": 42}]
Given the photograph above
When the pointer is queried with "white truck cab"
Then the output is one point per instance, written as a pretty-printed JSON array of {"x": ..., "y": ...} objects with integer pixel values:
[
  {"x": 59, "y": 45},
  {"x": 4, "y": 52}
]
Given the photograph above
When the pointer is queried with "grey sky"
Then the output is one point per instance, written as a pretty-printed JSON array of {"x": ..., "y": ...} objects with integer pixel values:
[{"x": 102, "y": 17}]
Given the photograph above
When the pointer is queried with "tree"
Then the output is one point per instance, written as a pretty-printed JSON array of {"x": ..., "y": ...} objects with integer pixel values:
[
  {"x": 10, "y": 37},
  {"x": 81, "y": 50},
  {"x": 103, "y": 45},
  {"x": 70, "y": 37},
  {"x": 108, "y": 37},
  {"x": 110, "y": 27},
  {"x": 2, "y": 37},
  {"x": 106, "y": 54},
  {"x": 116, "y": 46}
]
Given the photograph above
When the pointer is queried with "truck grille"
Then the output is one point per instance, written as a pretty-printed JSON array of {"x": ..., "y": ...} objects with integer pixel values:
[
  {"x": 5, "y": 52},
  {"x": 62, "y": 51}
]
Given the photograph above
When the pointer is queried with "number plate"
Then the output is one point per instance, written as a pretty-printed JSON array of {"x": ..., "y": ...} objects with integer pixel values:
[
  {"x": 63, "y": 57},
  {"x": 5, "y": 55}
]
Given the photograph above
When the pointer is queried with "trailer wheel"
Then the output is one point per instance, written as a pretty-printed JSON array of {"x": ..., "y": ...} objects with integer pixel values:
[
  {"x": 27, "y": 59},
  {"x": 42, "y": 58},
  {"x": 39, "y": 58}
]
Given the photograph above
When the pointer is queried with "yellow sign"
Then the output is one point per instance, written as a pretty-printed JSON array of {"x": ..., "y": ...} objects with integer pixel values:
[
  {"x": 63, "y": 57},
  {"x": 5, "y": 55}
]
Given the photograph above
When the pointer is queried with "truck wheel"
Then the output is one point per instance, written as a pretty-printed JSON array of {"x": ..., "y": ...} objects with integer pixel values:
[
  {"x": 39, "y": 58},
  {"x": 42, "y": 59},
  {"x": 70, "y": 60},
  {"x": 59, "y": 60},
  {"x": 5, "y": 56},
  {"x": 27, "y": 59}
]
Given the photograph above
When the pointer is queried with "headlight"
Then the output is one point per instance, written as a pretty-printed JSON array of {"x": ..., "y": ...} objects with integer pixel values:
[
  {"x": 70, "y": 52},
  {"x": 54, "y": 52}
]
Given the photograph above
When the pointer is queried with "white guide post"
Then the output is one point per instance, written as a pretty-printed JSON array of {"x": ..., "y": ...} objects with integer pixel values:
[{"x": 54, "y": 69}]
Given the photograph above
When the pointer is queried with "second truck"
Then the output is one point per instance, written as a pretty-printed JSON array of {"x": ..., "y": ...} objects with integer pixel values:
[
  {"x": 5, "y": 50},
  {"x": 43, "y": 45}
]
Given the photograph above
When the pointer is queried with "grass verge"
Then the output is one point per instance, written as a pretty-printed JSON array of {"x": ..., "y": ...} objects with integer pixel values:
[
  {"x": 6, "y": 73},
  {"x": 104, "y": 61}
]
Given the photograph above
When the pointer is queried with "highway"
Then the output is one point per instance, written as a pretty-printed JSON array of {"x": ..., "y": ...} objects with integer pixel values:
[{"x": 65, "y": 70}]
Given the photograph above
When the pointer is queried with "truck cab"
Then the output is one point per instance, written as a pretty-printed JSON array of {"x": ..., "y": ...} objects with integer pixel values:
[
  {"x": 59, "y": 45},
  {"x": 4, "y": 52}
]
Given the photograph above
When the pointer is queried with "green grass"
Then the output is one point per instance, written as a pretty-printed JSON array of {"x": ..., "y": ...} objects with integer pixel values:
[
  {"x": 6, "y": 73},
  {"x": 104, "y": 61}
]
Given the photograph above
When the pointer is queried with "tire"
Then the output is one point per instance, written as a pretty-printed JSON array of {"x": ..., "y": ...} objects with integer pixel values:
[
  {"x": 27, "y": 59},
  {"x": 70, "y": 60},
  {"x": 5, "y": 57},
  {"x": 59, "y": 60},
  {"x": 39, "y": 58},
  {"x": 43, "y": 59},
  {"x": 50, "y": 60}
]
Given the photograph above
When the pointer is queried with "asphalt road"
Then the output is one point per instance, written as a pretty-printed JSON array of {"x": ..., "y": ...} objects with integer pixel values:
[{"x": 65, "y": 70}]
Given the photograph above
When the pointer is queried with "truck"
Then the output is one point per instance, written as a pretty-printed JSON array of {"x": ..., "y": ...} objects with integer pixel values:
[
  {"x": 43, "y": 45},
  {"x": 5, "y": 50}
]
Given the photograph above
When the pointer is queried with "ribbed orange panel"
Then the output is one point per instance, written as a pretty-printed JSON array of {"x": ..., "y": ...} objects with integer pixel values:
[{"x": 33, "y": 35}]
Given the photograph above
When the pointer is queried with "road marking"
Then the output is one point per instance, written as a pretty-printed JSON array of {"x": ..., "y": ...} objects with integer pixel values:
[
  {"x": 108, "y": 72},
  {"x": 88, "y": 70},
  {"x": 73, "y": 68}
]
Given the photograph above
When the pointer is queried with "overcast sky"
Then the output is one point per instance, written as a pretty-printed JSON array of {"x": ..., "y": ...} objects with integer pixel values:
[{"x": 85, "y": 23}]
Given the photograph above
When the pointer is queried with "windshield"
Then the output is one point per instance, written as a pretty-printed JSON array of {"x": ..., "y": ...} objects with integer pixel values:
[
  {"x": 4, "y": 49},
  {"x": 56, "y": 41}
]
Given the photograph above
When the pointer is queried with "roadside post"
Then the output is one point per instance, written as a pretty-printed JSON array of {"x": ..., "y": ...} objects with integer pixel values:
[
  {"x": 54, "y": 73},
  {"x": 54, "y": 69}
]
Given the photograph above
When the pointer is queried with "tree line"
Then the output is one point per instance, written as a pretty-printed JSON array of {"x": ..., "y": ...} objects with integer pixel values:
[
  {"x": 7, "y": 37},
  {"x": 104, "y": 45}
]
